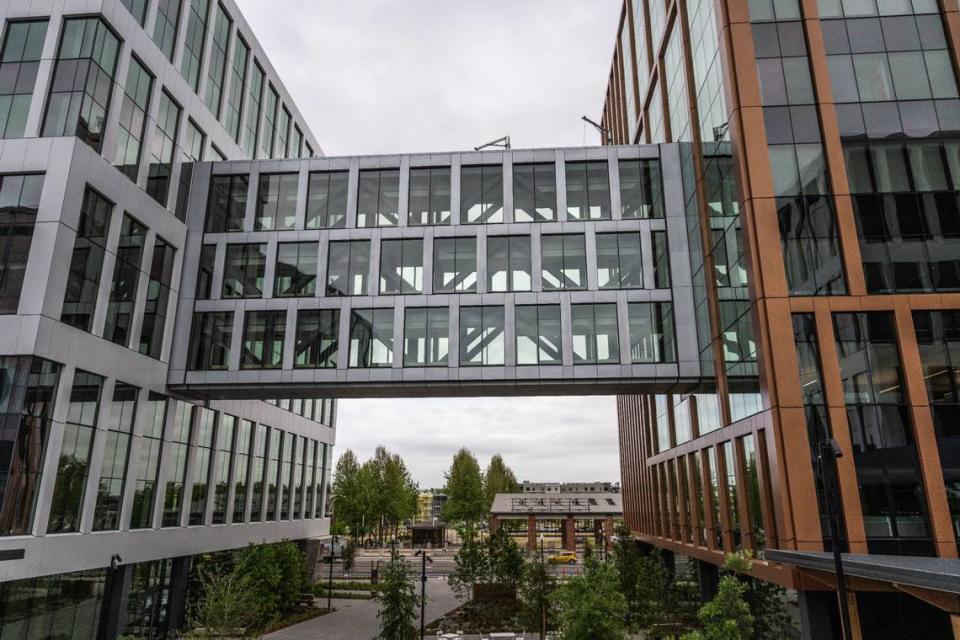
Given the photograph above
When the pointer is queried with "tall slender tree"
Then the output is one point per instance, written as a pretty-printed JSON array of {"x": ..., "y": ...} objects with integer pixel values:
[
  {"x": 466, "y": 504},
  {"x": 347, "y": 493},
  {"x": 498, "y": 478},
  {"x": 397, "y": 600}
]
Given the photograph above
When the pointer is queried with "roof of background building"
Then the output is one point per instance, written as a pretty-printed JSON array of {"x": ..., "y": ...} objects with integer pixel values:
[{"x": 559, "y": 503}]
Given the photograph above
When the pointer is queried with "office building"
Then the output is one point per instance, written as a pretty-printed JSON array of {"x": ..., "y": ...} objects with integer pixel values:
[
  {"x": 820, "y": 144},
  {"x": 110, "y": 481}
]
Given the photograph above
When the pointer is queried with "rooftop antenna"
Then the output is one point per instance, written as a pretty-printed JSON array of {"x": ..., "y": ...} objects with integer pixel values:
[
  {"x": 599, "y": 127},
  {"x": 503, "y": 143}
]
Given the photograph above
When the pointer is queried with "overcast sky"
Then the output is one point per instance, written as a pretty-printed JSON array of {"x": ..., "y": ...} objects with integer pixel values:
[{"x": 392, "y": 76}]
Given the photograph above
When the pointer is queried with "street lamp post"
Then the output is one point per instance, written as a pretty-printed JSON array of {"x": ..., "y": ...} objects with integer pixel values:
[
  {"x": 830, "y": 450},
  {"x": 424, "y": 559}
]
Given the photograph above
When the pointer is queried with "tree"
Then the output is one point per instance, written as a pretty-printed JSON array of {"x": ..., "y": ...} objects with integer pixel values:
[
  {"x": 626, "y": 558},
  {"x": 466, "y": 501},
  {"x": 653, "y": 591},
  {"x": 727, "y": 616},
  {"x": 498, "y": 478},
  {"x": 591, "y": 606},
  {"x": 472, "y": 566},
  {"x": 347, "y": 493},
  {"x": 275, "y": 575},
  {"x": 397, "y": 602},
  {"x": 506, "y": 559},
  {"x": 536, "y": 606},
  {"x": 226, "y": 607}
]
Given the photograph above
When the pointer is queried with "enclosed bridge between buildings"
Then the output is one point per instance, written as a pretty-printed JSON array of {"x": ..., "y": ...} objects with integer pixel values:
[{"x": 549, "y": 271}]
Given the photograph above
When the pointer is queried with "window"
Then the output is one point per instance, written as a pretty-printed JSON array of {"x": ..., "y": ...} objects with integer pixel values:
[
  {"x": 286, "y": 477},
  {"x": 263, "y": 334},
  {"x": 539, "y": 339},
  {"x": 113, "y": 473},
  {"x": 309, "y": 478},
  {"x": 618, "y": 261},
  {"x": 244, "y": 271},
  {"x": 194, "y": 42},
  {"x": 296, "y": 143},
  {"x": 429, "y": 196},
  {"x": 378, "y": 199},
  {"x": 811, "y": 245},
  {"x": 19, "y": 62},
  {"x": 82, "y": 81},
  {"x": 86, "y": 264},
  {"x": 133, "y": 119},
  {"x": 296, "y": 272},
  {"x": 534, "y": 192},
  {"x": 220, "y": 474},
  {"x": 269, "y": 131},
  {"x": 165, "y": 26},
  {"x": 217, "y": 65},
  {"x": 564, "y": 262},
  {"x": 371, "y": 338},
  {"x": 327, "y": 200},
  {"x": 281, "y": 150},
  {"x": 158, "y": 298},
  {"x": 595, "y": 334},
  {"x": 164, "y": 144},
  {"x": 251, "y": 121},
  {"x": 148, "y": 462},
  {"x": 66, "y": 507},
  {"x": 508, "y": 263},
  {"x": 661, "y": 260},
  {"x": 454, "y": 265},
  {"x": 228, "y": 203},
  {"x": 137, "y": 8},
  {"x": 257, "y": 473},
  {"x": 19, "y": 203},
  {"x": 126, "y": 280},
  {"x": 205, "y": 425},
  {"x": 210, "y": 337},
  {"x": 481, "y": 194},
  {"x": 205, "y": 267},
  {"x": 651, "y": 332},
  {"x": 641, "y": 193},
  {"x": 317, "y": 339},
  {"x": 238, "y": 76},
  {"x": 276, "y": 201},
  {"x": 191, "y": 152},
  {"x": 588, "y": 191},
  {"x": 481, "y": 336},
  {"x": 426, "y": 337},
  {"x": 273, "y": 464},
  {"x": 241, "y": 467},
  {"x": 348, "y": 268},
  {"x": 215, "y": 154},
  {"x": 401, "y": 266}
]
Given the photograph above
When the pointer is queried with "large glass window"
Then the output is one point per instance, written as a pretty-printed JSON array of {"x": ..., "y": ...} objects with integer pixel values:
[
  {"x": 86, "y": 264},
  {"x": 811, "y": 245},
  {"x": 220, "y": 474},
  {"x": 113, "y": 473},
  {"x": 137, "y": 8},
  {"x": 588, "y": 190},
  {"x": 251, "y": 120},
  {"x": 244, "y": 270},
  {"x": 24, "y": 427},
  {"x": 296, "y": 271},
  {"x": 534, "y": 192},
  {"x": 165, "y": 26},
  {"x": 158, "y": 298},
  {"x": 401, "y": 266},
  {"x": 327, "y": 200},
  {"x": 595, "y": 334},
  {"x": 273, "y": 468},
  {"x": 263, "y": 333},
  {"x": 508, "y": 263},
  {"x": 661, "y": 259},
  {"x": 286, "y": 478},
  {"x": 317, "y": 338},
  {"x": 133, "y": 119},
  {"x": 539, "y": 339},
  {"x": 276, "y": 201},
  {"x": 348, "y": 267},
  {"x": 371, "y": 338},
  {"x": 564, "y": 262},
  {"x": 269, "y": 131},
  {"x": 429, "y": 196},
  {"x": 618, "y": 261},
  {"x": 426, "y": 337},
  {"x": 43, "y": 607},
  {"x": 217, "y": 65},
  {"x": 238, "y": 78},
  {"x": 481, "y": 194},
  {"x": 191, "y": 151},
  {"x": 228, "y": 202},
  {"x": 242, "y": 449},
  {"x": 454, "y": 265},
  {"x": 147, "y": 463},
  {"x": 257, "y": 473},
  {"x": 205, "y": 425},
  {"x": 126, "y": 280},
  {"x": 641, "y": 191},
  {"x": 164, "y": 144},
  {"x": 210, "y": 337},
  {"x": 651, "y": 332},
  {"x": 66, "y": 506},
  {"x": 481, "y": 336},
  {"x": 282, "y": 148},
  {"x": 82, "y": 81},
  {"x": 19, "y": 62},
  {"x": 378, "y": 199},
  {"x": 19, "y": 203}
]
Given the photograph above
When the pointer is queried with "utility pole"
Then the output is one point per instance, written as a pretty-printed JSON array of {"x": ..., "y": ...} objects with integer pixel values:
[
  {"x": 830, "y": 450},
  {"x": 424, "y": 559}
]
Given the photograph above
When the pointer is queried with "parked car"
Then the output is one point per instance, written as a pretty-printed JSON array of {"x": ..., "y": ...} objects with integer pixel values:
[{"x": 563, "y": 557}]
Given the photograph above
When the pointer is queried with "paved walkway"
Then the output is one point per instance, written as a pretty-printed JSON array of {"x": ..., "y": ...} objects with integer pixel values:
[{"x": 357, "y": 619}]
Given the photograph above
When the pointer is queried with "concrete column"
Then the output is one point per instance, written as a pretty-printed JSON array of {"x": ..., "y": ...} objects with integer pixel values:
[
  {"x": 708, "y": 577},
  {"x": 818, "y": 610},
  {"x": 569, "y": 534},
  {"x": 607, "y": 532},
  {"x": 114, "y": 602},
  {"x": 531, "y": 533},
  {"x": 177, "y": 604}
]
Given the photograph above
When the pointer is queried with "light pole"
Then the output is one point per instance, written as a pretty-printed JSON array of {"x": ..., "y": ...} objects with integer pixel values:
[
  {"x": 424, "y": 559},
  {"x": 830, "y": 450}
]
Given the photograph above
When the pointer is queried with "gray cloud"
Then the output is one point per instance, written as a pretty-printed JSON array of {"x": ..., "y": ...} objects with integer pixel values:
[{"x": 391, "y": 76}]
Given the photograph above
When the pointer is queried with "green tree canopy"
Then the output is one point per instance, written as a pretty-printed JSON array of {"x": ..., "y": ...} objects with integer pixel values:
[
  {"x": 347, "y": 493},
  {"x": 536, "y": 606},
  {"x": 466, "y": 501},
  {"x": 591, "y": 606},
  {"x": 498, "y": 478},
  {"x": 397, "y": 602}
]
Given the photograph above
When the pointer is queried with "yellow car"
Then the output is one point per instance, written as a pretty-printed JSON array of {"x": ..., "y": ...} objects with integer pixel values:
[{"x": 563, "y": 557}]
